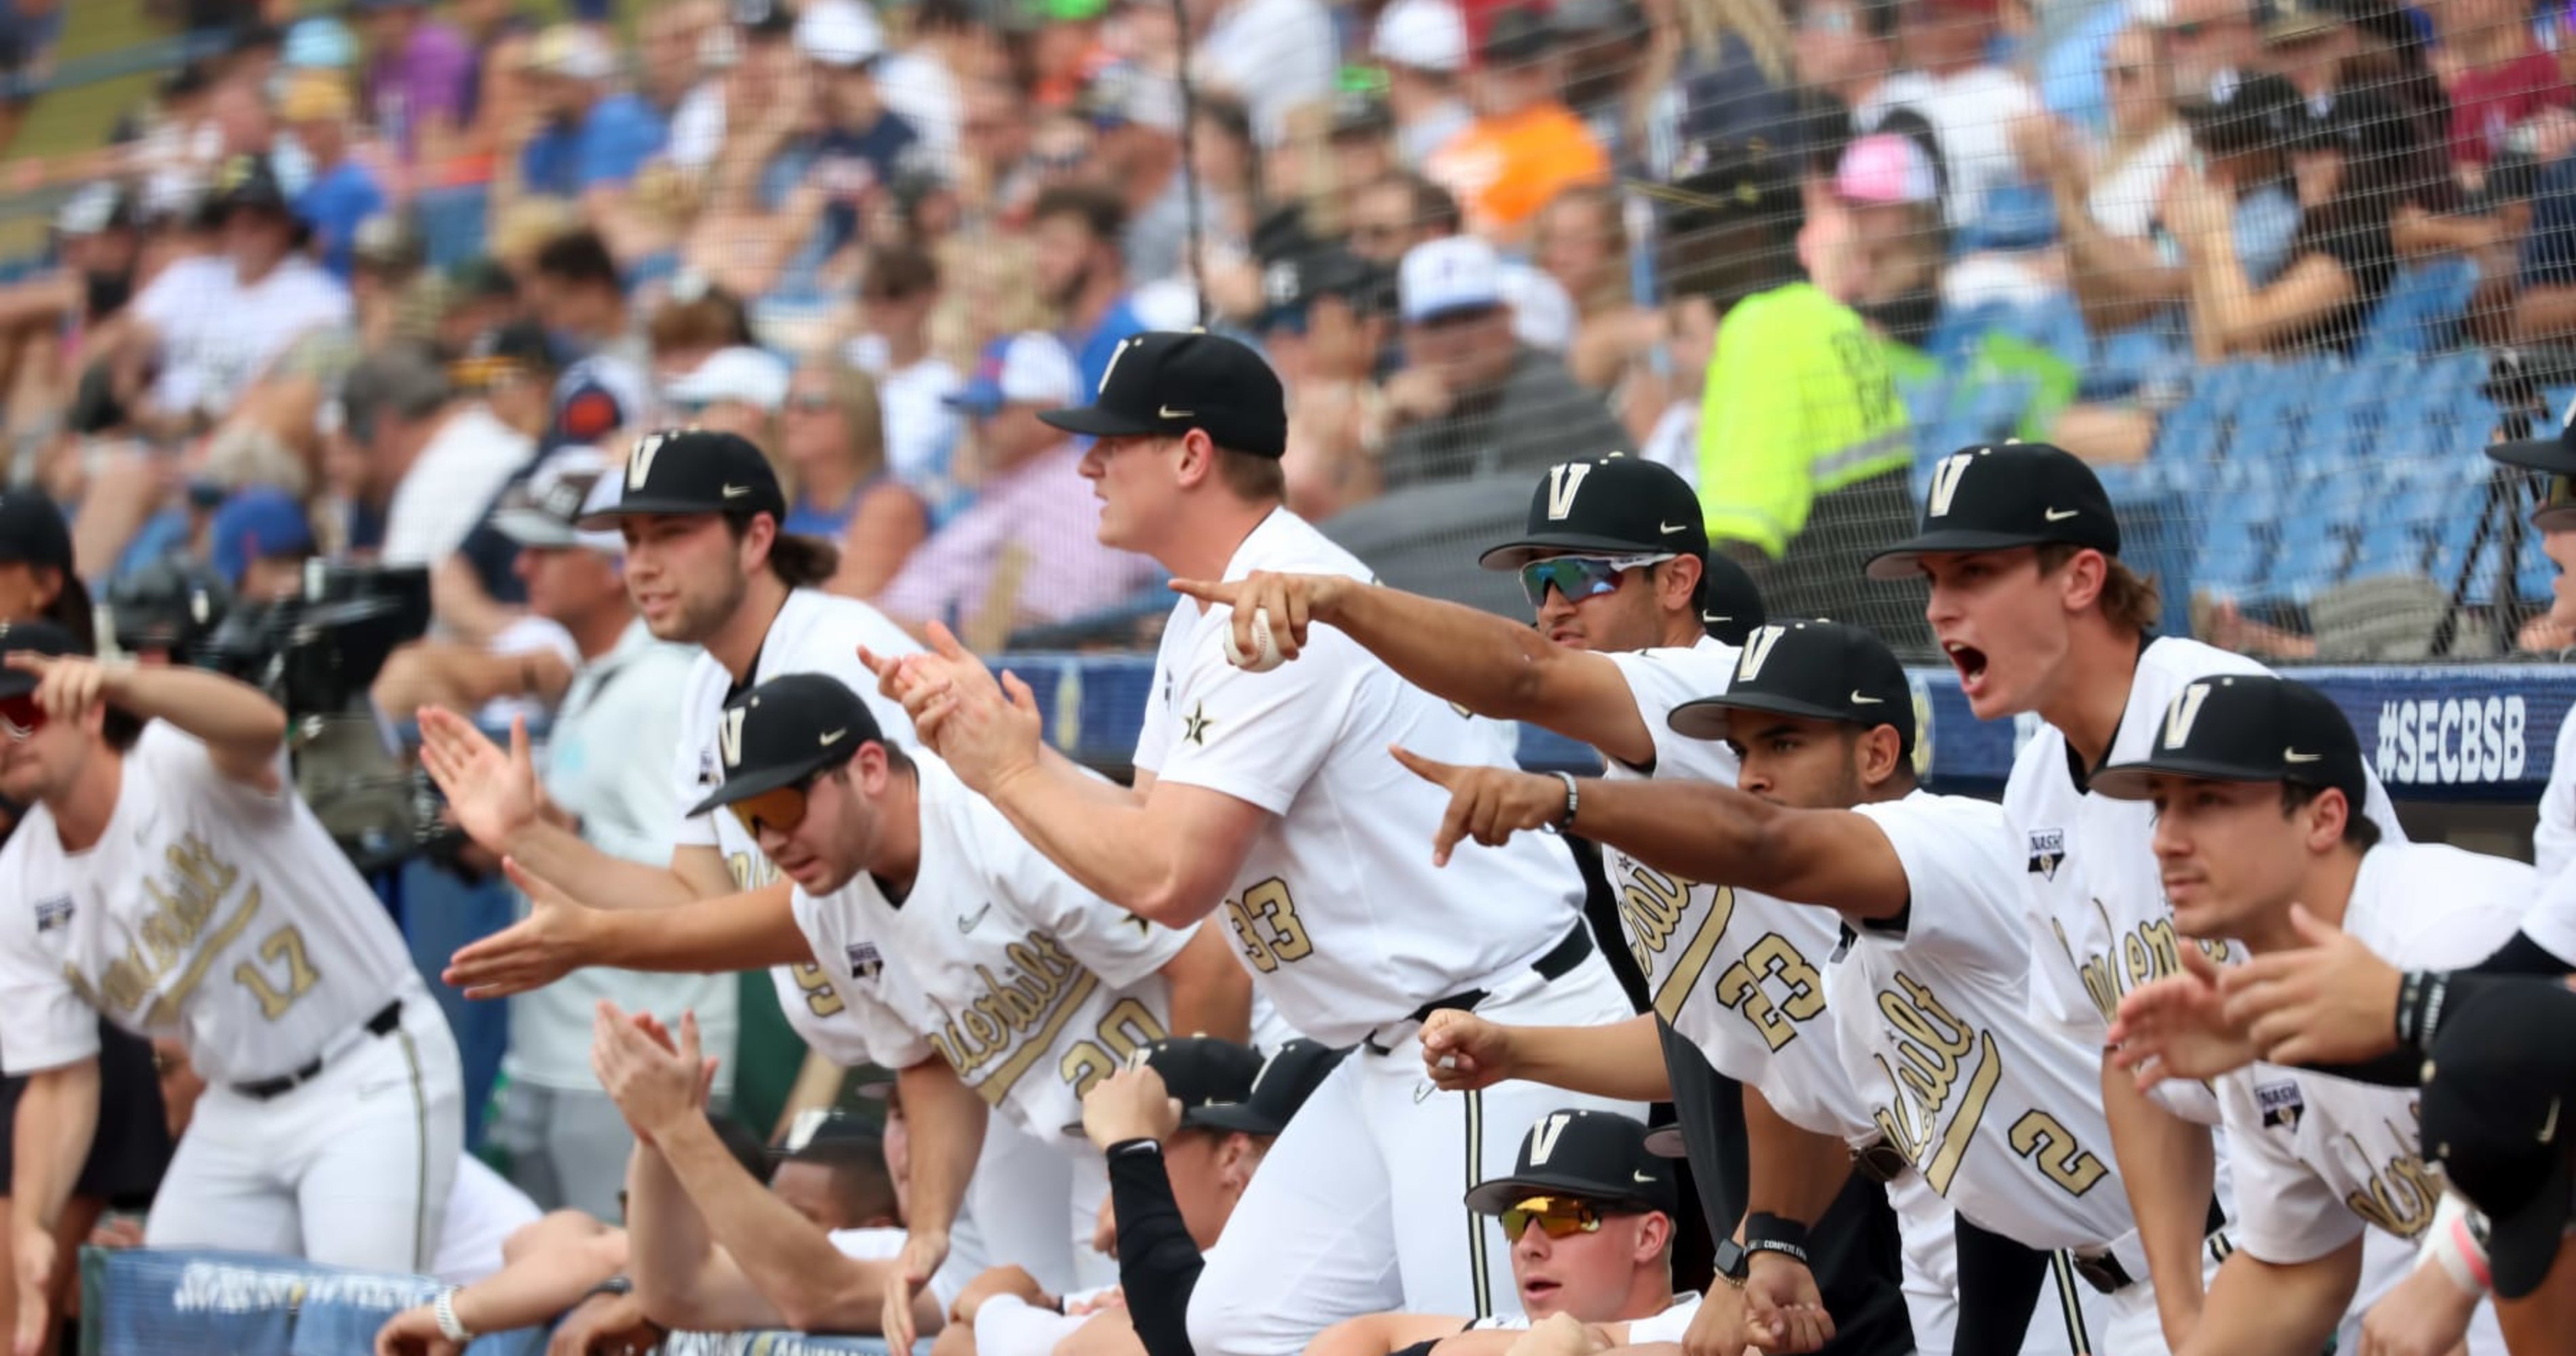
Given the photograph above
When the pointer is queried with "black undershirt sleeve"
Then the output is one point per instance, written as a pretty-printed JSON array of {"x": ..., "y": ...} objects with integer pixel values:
[{"x": 1158, "y": 1261}]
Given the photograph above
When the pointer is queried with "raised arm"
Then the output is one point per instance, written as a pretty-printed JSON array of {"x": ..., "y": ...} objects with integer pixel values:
[
  {"x": 1493, "y": 666},
  {"x": 241, "y": 728},
  {"x": 1698, "y": 830}
]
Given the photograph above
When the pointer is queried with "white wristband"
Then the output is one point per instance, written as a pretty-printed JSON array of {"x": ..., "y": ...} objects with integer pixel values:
[
  {"x": 443, "y": 1309},
  {"x": 2453, "y": 1245}
]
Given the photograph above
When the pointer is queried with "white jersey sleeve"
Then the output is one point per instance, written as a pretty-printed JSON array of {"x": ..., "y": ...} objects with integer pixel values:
[
  {"x": 1959, "y": 873},
  {"x": 1668, "y": 1326},
  {"x": 50, "y": 1024},
  {"x": 1154, "y": 731},
  {"x": 866, "y": 1028},
  {"x": 1121, "y": 948},
  {"x": 694, "y": 769},
  {"x": 2553, "y": 838},
  {"x": 2286, "y": 1212},
  {"x": 1661, "y": 679},
  {"x": 1275, "y": 730},
  {"x": 2552, "y": 919}
]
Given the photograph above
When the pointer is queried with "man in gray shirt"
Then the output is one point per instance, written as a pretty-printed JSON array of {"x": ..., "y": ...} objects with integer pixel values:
[{"x": 1473, "y": 401}]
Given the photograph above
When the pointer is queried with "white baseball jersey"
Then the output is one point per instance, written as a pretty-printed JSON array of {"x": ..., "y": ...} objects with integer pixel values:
[
  {"x": 2553, "y": 835},
  {"x": 2316, "y": 1157},
  {"x": 814, "y": 632},
  {"x": 2100, "y": 924},
  {"x": 208, "y": 911},
  {"x": 1667, "y": 1324},
  {"x": 2552, "y": 920},
  {"x": 1344, "y": 921},
  {"x": 483, "y": 1210},
  {"x": 1737, "y": 974},
  {"x": 1999, "y": 1115},
  {"x": 997, "y": 961}
]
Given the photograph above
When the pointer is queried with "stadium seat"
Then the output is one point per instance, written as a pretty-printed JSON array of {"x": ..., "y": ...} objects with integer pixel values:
[{"x": 2421, "y": 310}]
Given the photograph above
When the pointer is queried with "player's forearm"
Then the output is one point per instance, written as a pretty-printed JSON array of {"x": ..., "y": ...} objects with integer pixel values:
[
  {"x": 1790, "y": 1171},
  {"x": 1109, "y": 844},
  {"x": 57, "y": 1118},
  {"x": 2167, "y": 1166},
  {"x": 1491, "y": 665},
  {"x": 533, "y": 1290},
  {"x": 750, "y": 931},
  {"x": 668, "y": 1250},
  {"x": 1211, "y": 992},
  {"x": 1706, "y": 832},
  {"x": 592, "y": 877},
  {"x": 785, "y": 1256},
  {"x": 2257, "y": 1306},
  {"x": 234, "y": 719},
  {"x": 1623, "y": 1060},
  {"x": 947, "y": 1119}
]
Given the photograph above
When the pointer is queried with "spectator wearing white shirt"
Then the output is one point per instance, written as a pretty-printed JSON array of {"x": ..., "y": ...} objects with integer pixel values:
[
  {"x": 431, "y": 460},
  {"x": 898, "y": 294},
  {"x": 1423, "y": 44},
  {"x": 1275, "y": 55},
  {"x": 218, "y": 321},
  {"x": 1970, "y": 102}
]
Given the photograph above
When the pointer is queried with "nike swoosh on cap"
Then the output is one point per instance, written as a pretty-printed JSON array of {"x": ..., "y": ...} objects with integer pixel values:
[
  {"x": 2059, "y": 515},
  {"x": 1859, "y": 700},
  {"x": 835, "y": 737},
  {"x": 1169, "y": 413},
  {"x": 2294, "y": 756},
  {"x": 1646, "y": 1178},
  {"x": 1662, "y": 526},
  {"x": 736, "y": 491}
]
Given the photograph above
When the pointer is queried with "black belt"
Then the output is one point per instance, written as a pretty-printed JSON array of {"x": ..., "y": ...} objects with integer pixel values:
[
  {"x": 266, "y": 1089},
  {"x": 2104, "y": 1273},
  {"x": 1880, "y": 1162},
  {"x": 1572, "y": 950}
]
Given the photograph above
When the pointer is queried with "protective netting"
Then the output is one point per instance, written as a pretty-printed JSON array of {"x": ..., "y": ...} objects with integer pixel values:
[{"x": 2280, "y": 269}]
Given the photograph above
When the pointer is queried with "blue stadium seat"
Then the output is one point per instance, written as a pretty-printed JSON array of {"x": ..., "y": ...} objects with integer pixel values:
[
  {"x": 2241, "y": 532},
  {"x": 2421, "y": 310}
]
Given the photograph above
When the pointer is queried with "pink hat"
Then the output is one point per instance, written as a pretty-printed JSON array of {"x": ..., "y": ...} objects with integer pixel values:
[{"x": 1885, "y": 168}]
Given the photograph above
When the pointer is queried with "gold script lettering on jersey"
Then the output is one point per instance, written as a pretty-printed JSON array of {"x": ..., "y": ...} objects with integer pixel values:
[
  {"x": 997, "y": 1037},
  {"x": 1933, "y": 1048},
  {"x": 168, "y": 951},
  {"x": 2147, "y": 953}
]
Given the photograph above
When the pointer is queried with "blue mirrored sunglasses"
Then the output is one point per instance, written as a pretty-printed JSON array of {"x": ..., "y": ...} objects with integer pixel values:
[{"x": 1580, "y": 577}]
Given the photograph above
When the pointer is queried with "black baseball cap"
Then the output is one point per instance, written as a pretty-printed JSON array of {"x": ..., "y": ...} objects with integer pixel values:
[
  {"x": 33, "y": 531},
  {"x": 694, "y": 470},
  {"x": 1815, "y": 670},
  {"x": 1730, "y": 603},
  {"x": 39, "y": 637},
  {"x": 1517, "y": 35},
  {"x": 1200, "y": 1072},
  {"x": 1163, "y": 383},
  {"x": 793, "y": 726},
  {"x": 2248, "y": 728},
  {"x": 1997, "y": 497},
  {"x": 2494, "y": 1090},
  {"x": 1286, "y": 1078},
  {"x": 1615, "y": 504},
  {"x": 1593, "y": 1155},
  {"x": 2554, "y": 456}
]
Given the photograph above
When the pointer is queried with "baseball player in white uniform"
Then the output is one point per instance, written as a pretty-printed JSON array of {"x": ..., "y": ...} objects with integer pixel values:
[
  {"x": 172, "y": 880},
  {"x": 2032, "y": 606},
  {"x": 1270, "y": 797},
  {"x": 2253, "y": 780},
  {"x": 707, "y": 566},
  {"x": 1928, "y": 983},
  {"x": 964, "y": 960},
  {"x": 1611, "y": 557}
]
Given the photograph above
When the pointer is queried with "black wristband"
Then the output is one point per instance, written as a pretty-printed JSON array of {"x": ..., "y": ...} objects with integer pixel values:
[
  {"x": 2420, "y": 1000},
  {"x": 1134, "y": 1146},
  {"x": 2409, "y": 993},
  {"x": 1761, "y": 1228},
  {"x": 1573, "y": 801},
  {"x": 1791, "y": 1251}
]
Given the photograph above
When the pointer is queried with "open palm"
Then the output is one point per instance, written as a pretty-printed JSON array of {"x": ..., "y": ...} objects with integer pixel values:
[{"x": 491, "y": 793}]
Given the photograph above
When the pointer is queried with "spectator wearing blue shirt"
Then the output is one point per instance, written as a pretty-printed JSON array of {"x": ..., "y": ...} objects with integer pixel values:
[
  {"x": 341, "y": 194},
  {"x": 591, "y": 142},
  {"x": 816, "y": 184},
  {"x": 1082, "y": 273}
]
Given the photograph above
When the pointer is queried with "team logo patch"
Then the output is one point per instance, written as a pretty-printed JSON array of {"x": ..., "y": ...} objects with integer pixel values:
[
  {"x": 707, "y": 768},
  {"x": 2281, "y": 1104},
  {"x": 53, "y": 914},
  {"x": 866, "y": 961},
  {"x": 2047, "y": 852}
]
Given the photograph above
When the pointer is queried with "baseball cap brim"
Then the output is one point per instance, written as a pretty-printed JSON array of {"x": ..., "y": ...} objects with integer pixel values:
[
  {"x": 2552, "y": 454},
  {"x": 528, "y": 527},
  {"x": 606, "y": 516},
  {"x": 1900, "y": 561},
  {"x": 1706, "y": 717},
  {"x": 1513, "y": 555},
  {"x": 1093, "y": 421},
  {"x": 1493, "y": 1198},
  {"x": 2523, "y": 1246},
  {"x": 1235, "y": 1117},
  {"x": 770, "y": 779},
  {"x": 2128, "y": 781}
]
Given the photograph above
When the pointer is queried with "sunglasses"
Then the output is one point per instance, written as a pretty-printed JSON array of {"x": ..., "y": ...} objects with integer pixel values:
[
  {"x": 2552, "y": 498},
  {"x": 2125, "y": 74},
  {"x": 20, "y": 717},
  {"x": 782, "y": 809},
  {"x": 817, "y": 403},
  {"x": 1559, "y": 1216},
  {"x": 1580, "y": 577}
]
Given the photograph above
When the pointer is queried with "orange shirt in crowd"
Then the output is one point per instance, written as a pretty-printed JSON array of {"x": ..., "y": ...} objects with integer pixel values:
[{"x": 1502, "y": 170}]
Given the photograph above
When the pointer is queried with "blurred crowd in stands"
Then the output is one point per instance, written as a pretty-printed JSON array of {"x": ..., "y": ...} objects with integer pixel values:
[{"x": 336, "y": 288}]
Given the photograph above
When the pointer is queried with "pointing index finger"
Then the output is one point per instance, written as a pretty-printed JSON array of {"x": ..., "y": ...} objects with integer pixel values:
[{"x": 1428, "y": 769}]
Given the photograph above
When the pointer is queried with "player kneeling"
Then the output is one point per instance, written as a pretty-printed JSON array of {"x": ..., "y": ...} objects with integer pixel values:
[{"x": 173, "y": 881}]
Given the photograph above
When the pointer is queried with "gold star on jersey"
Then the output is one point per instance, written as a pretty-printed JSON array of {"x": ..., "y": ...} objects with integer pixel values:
[{"x": 1194, "y": 725}]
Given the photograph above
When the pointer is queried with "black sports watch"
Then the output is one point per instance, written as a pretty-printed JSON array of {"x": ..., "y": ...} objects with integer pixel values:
[{"x": 1733, "y": 1262}]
